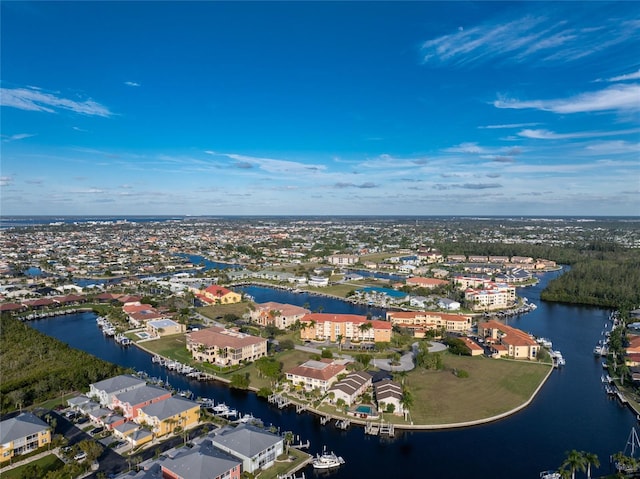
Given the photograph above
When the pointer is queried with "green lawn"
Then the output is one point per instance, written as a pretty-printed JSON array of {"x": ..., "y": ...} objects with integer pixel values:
[
  {"x": 494, "y": 386},
  {"x": 45, "y": 464},
  {"x": 284, "y": 466}
]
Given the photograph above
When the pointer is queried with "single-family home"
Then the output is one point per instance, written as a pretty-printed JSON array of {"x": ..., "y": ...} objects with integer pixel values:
[
  {"x": 22, "y": 434},
  {"x": 255, "y": 447},
  {"x": 388, "y": 395},
  {"x": 349, "y": 388},
  {"x": 164, "y": 327},
  {"x": 215, "y": 294},
  {"x": 314, "y": 374}
]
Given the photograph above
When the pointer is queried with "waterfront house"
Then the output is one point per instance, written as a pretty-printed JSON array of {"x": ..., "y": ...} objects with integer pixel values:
[
  {"x": 225, "y": 347},
  {"x": 164, "y": 327},
  {"x": 277, "y": 314},
  {"x": 349, "y": 388},
  {"x": 507, "y": 341},
  {"x": 106, "y": 389},
  {"x": 22, "y": 434},
  {"x": 314, "y": 374},
  {"x": 165, "y": 416},
  {"x": 421, "y": 321},
  {"x": 388, "y": 392},
  {"x": 130, "y": 402},
  {"x": 215, "y": 294},
  {"x": 138, "y": 314},
  {"x": 448, "y": 304},
  {"x": 255, "y": 447}
]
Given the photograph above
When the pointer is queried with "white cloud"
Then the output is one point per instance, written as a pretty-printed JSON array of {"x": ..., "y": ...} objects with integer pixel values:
[
  {"x": 529, "y": 37},
  {"x": 33, "y": 99},
  {"x": 617, "y": 97},
  {"x": 628, "y": 76},
  {"x": 550, "y": 135},
  {"x": 19, "y": 136},
  {"x": 5, "y": 180},
  {"x": 131, "y": 83},
  {"x": 510, "y": 125},
  {"x": 467, "y": 147}
]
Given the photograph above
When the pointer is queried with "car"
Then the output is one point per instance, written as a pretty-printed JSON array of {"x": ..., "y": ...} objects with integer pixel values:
[
  {"x": 82, "y": 420},
  {"x": 81, "y": 456},
  {"x": 96, "y": 430}
]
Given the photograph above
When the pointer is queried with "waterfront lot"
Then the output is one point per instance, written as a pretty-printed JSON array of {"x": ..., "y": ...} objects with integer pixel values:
[{"x": 494, "y": 386}]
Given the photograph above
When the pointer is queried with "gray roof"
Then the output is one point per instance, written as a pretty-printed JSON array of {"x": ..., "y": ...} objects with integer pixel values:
[
  {"x": 245, "y": 440},
  {"x": 200, "y": 462},
  {"x": 141, "y": 394},
  {"x": 352, "y": 382},
  {"x": 118, "y": 383},
  {"x": 23, "y": 425},
  {"x": 168, "y": 408}
]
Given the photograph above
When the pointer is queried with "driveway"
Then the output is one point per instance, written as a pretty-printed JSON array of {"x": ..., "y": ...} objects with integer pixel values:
[{"x": 406, "y": 360}]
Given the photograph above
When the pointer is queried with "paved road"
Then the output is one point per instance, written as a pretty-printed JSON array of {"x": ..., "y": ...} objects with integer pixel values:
[{"x": 407, "y": 360}]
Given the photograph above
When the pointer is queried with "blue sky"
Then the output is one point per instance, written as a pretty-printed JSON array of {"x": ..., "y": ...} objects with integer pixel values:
[{"x": 416, "y": 108}]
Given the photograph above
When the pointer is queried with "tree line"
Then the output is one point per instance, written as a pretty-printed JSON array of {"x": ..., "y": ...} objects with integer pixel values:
[{"x": 35, "y": 367}]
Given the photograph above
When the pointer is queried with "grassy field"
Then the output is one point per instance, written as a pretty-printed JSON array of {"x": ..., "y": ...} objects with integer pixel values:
[
  {"x": 218, "y": 311},
  {"x": 46, "y": 464},
  {"x": 493, "y": 387}
]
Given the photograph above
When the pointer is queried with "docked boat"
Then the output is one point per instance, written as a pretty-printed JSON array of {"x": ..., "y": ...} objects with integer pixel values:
[
  {"x": 550, "y": 475},
  {"x": 327, "y": 460}
]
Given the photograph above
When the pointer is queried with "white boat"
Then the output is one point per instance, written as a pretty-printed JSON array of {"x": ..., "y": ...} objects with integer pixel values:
[
  {"x": 550, "y": 475},
  {"x": 327, "y": 460}
]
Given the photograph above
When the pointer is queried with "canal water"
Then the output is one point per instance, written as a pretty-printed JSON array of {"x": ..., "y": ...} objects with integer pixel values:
[{"x": 572, "y": 410}]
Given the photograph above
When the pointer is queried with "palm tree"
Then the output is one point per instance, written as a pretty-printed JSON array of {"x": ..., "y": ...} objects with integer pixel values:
[
  {"x": 573, "y": 462},
  {"x": 590, "y": 458}
]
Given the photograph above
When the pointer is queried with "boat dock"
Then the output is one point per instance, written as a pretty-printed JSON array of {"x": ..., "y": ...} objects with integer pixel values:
[
  {"x": 343, "y": 424},
  {"x": 278, "y": 400},
  {"x": 324, "y": 419}
]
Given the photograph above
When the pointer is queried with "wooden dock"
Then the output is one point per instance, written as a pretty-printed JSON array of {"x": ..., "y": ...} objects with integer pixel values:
[
  {"x": 324, "y": 419},
  {"x": 372, "y": 428},
  {"x": 343, "y": 424},
  {"x": 278, "y": 400},
  {"x": 387, "y": 430}
]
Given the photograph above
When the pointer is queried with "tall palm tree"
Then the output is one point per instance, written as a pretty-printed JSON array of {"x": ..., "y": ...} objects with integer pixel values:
[
  {"x": 591, "y": 459},
  {"x": 574, "y": 461}
]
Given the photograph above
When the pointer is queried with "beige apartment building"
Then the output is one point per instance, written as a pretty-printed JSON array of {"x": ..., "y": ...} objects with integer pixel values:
[
  {"x": 225, "y": 347},
  {"x": 352, "y": 327}
]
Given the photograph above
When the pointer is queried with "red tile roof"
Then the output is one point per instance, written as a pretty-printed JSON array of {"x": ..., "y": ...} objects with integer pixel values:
[{"x": 345, "y": 318}]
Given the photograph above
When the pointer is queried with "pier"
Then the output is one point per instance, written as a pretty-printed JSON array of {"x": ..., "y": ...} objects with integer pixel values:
[{"x": 343, "y": 424}]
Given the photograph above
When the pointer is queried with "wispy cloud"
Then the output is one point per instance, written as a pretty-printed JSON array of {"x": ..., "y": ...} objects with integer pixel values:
[
  {"x": 365, "y": 185},
  {"x": 5, "y": 180},
  {"x": 628, "y": 76},
  {"x": 131, "y": 83},
  {"x": 33, "y": 99},
  {"x": 550, "y": 135},
  {"x": 510, "y": 125},
  {"x": 616, "y": 97},
  {"x": 530, "y": 37},
  {"x": 467, "y": 186},
  {"x": 19, "y": 136},
  {"x": 467, "y": 147}
]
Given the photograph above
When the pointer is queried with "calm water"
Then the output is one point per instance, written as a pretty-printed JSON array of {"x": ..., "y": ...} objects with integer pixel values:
[{"x": 571, "y": 412}]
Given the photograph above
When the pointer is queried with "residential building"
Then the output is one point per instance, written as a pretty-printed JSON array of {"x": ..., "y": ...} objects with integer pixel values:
[
  {"x": 22, "y": 434},
  {"x": 315, "y": 374},
  {"x": 139, "y": 314},
  {"x": 343, "y": 259},
  {"x": 106, "y": 389},
  {"x": 349, "y": 388},
  {"x": 215, "y": 294},
  {"x": 448, "y": 304},
  {"x": 421, "y": 321},
  {"x": 277, "y": 314},
  {"x": 130, "y": 402},
  {"x": 255, "y": 447},
  {"x": 465, "y": 282},
  {"x": 429, "y": 283},
  {"x": 165, "y": 416},
  {"x": 508, "y": 341},
  {"x": 225, "y": 347},
  {"x": 352, "y": 327},
  {"x": 164, "y": 327},
  {"x": 493, "y": 296},
  {"x": 388, "y": 392},
  {"x": 318, "y": 281}
]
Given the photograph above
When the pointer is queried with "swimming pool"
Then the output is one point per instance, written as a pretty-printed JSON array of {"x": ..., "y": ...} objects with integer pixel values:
[
  {"x": 364, "y": 409},
  {"x": 143, "y": 335}
]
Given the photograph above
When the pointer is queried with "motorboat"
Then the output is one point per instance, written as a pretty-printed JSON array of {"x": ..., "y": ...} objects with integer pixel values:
[
  {"x": 550, "y": 475},
  {"x": 327, "y": 460}
]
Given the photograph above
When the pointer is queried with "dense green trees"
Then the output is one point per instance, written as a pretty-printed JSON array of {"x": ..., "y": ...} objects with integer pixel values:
[{"x": 36, "y": 367}]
